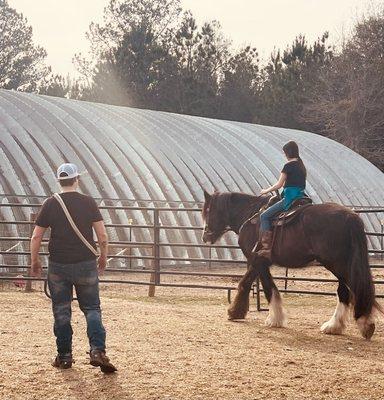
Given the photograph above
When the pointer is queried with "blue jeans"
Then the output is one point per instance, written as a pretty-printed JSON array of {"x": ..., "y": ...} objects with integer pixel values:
[
  {"x": 267, "y": 216},
  {"x": 84, "y": 277}
]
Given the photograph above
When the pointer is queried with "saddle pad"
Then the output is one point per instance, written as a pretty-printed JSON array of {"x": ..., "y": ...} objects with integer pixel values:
[{"x": 289, "y": 216}]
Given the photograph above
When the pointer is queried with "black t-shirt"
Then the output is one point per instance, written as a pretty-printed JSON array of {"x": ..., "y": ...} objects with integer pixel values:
[
  {"x": 64, "y": 245},
  {"x": 296, "y": 175}
]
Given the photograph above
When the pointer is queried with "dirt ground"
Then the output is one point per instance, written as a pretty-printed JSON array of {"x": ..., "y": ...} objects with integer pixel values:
[{"x": 180, "y": 345}]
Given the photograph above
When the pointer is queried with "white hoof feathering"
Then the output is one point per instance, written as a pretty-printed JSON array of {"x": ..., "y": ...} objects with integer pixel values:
[
  {"x": 336, "y": 325},
  {"x": 276, "y": 317}
]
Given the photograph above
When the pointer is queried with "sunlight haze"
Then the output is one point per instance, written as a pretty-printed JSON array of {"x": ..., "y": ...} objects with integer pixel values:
[{"x": 264, "y": 24}]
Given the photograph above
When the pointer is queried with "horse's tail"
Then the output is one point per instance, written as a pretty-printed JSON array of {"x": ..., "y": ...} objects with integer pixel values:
[{"x": 360, "y": 282}]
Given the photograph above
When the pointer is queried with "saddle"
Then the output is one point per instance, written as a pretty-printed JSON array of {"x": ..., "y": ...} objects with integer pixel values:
[
  {"x": 293, "y": 212},
  {"x": 286, "y": 217}
]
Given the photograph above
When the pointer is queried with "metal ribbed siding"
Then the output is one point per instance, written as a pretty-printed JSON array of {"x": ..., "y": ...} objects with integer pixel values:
[{"x": 133, "y": 153}]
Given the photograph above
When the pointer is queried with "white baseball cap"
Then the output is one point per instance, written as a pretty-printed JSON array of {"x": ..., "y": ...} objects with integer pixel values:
[{"x": 67, "y": 171}]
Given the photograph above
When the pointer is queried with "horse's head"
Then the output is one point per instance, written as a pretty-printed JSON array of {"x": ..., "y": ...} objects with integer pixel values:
[
  {"x": 215, "y": 216},
  {"x": 223, "y": 212}
]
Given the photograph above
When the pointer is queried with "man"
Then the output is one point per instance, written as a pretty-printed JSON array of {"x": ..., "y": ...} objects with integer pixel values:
[{"x": 72, "y": 263}]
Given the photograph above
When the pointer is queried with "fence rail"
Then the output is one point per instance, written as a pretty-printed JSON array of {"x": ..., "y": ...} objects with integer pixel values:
[{"x": 156, "y": 245}]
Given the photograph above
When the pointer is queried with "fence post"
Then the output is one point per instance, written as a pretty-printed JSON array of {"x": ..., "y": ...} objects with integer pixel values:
[
  {"x": 286, "y": 280},
  {"x": 155, "y": 277},
  {"x": 210, "y": 257},
  {"x": 130, "y": 221},
  {"x": 382, "y": 238},
  {"x": 28, "y": 285},
  {"x": 258, "y": 294}
]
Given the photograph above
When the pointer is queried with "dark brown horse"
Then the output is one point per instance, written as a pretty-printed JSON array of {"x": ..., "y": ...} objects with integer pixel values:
[{"x": 329, "y": 233}]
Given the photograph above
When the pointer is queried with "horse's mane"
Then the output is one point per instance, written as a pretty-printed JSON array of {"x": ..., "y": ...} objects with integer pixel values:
[
  {"x": 221, "y": 201},
  {"x": 237, "y": 205},
  {"x": 244, "y": 197}
]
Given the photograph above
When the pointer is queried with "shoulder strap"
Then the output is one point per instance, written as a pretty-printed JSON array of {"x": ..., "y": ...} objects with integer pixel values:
[{"x": 73, "y": 225}]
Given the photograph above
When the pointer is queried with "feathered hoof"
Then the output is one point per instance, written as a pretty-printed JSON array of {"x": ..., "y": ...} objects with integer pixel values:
[
  {"x": 274, "y": 322},
  {"x": 366, "y": 327},
  {"x": 369, "y": 331},
  {"x": 332, "y": 327},
  {"x": 234, "y": 315}
]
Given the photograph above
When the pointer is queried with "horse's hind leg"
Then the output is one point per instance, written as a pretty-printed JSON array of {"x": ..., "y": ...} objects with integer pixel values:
[
  {"x": 337, "y": 324},
  {"x": 276, "y": 317}
]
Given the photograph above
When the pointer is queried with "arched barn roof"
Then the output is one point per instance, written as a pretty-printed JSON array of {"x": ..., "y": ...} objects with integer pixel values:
[{"x": 142, "y": 154}]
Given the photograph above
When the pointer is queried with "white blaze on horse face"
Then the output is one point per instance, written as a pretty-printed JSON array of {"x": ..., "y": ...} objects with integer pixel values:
[
  {"x": 204, "y": 229},
  {"x": 276, "y": 317},
  {"x": 336, "y": 325}
]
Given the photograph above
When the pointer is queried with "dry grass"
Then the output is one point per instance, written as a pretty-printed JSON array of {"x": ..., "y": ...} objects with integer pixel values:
[{"x": 179, "y": 345}]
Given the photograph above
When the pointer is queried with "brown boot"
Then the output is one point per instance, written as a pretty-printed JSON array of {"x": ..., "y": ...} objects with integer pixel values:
[
  {"x": 97, "y": 358},
  {"x": 266, "y": 245},
  {"x": 63, "y": 361}
]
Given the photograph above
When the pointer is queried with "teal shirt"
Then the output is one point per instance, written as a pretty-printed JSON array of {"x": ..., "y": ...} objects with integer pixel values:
[{"x": 292, "y": 193}]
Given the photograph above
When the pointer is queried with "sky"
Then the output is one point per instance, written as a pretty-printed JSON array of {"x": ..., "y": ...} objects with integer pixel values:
[{"x": 264, "y": 24}]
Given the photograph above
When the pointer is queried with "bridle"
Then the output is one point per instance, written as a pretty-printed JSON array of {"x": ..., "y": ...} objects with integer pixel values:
[{"x": 208, "y": 232}]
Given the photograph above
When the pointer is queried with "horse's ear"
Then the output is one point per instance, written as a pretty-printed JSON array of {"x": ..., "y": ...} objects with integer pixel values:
[{"x": 207, "y": 196}]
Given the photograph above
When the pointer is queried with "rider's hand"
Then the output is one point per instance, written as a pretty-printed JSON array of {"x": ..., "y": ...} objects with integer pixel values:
[
  {"x": 102, "y": 263},
  {"x": 264, "y": 191},
  {"x": 36, "y": 268}
]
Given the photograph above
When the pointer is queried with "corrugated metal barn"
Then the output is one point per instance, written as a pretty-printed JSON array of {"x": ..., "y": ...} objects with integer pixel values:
[{"x": 130, "y": 153}]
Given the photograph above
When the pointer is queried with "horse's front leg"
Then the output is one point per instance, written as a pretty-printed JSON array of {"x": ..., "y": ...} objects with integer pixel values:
[
  {"x": 240, "y": 305},
  {"x": 276, "y": 317}
]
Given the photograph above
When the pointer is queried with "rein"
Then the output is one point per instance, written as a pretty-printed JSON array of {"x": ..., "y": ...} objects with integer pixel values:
[
  {"x": 257, "y": 214},
  {"x": 250, "y": 219},
  {"x": 232, "y": 211},
  {"x": 249, "y": 216}
]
